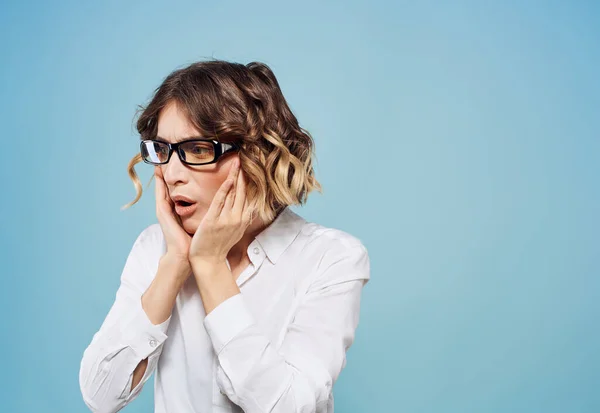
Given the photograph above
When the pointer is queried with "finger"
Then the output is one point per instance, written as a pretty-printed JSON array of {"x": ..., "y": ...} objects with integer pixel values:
[
  {"x": 216, "y": 205},
  {"x": 249, "y": 211},
  {"x": 233, "y": 175},
  {"x": 240, "y": 195},
  {"x": 159, "y": 189},
  {"x": 246, "y": 213},
  {"x": 161, "y": 209},
  {"x": 163, "y": 200},
  {"x": 163, "y": 192}
]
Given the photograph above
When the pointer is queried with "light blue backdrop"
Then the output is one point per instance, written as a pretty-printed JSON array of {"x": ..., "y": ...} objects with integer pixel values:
[{"x": 459, "y": 142}]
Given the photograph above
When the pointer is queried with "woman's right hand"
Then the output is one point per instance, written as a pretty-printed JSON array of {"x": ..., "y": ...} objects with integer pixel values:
[{"x": 177, "y": 240}]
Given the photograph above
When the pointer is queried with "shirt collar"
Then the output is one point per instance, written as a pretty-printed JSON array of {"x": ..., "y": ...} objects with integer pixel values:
[{"x": 278, "y": 236}]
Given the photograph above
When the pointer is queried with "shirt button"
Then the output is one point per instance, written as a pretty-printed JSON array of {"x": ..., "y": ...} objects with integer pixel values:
[
  {"x": 256, "y": 250},
  {"x": 152, "y": 343}
]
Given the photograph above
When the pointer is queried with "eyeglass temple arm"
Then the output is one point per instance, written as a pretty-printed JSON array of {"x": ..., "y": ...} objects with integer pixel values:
[{"x": 227, "y": 146}]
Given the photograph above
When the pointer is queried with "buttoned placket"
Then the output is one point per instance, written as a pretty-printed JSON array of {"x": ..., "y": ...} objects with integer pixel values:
[{"x": 256, "y": 255}]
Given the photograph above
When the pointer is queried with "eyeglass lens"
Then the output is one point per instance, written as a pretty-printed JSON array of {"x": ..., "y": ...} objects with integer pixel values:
[{"x": 194, "y": 152}]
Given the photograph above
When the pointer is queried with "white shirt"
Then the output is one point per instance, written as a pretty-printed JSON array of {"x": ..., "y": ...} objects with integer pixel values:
[{"x": 278, "y": 346}]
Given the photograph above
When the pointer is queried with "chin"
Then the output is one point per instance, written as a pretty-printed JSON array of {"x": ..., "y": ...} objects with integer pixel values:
[{"x": 189, "y": 225}]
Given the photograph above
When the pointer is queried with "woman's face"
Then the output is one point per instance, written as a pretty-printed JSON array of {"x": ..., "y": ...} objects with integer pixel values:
[{"x": 197, "y": 182}]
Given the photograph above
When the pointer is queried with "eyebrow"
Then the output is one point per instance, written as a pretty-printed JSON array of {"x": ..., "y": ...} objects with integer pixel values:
[{"x": 185, "y": 138}]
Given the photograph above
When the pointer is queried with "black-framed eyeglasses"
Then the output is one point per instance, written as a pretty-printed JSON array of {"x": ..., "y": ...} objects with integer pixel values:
[{"x": 194, "y": 151}]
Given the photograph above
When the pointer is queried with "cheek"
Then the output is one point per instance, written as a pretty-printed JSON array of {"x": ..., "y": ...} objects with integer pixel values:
[
  {"x": 208, "y": 185},
  {"x": 213, "y": 184},
  {"x": 216, "y": 179}
]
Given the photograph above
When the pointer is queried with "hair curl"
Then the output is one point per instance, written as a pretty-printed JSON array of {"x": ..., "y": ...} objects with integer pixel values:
[{"x": 232, "y": 102}]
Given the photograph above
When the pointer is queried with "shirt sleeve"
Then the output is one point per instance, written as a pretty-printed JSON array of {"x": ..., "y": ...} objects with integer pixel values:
[
  {"x": 299, "y": 376},
  {"x": 125, "y": 338}
]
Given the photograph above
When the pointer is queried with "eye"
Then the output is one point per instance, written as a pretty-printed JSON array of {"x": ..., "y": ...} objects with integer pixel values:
[{"x": 201, "y": 149}]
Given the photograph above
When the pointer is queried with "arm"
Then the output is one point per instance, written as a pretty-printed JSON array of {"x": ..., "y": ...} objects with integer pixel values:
[
  {"x": 158, "y": 301},
  {"x": 131, "y": 335},
  {"x": 299, "y": 376}
]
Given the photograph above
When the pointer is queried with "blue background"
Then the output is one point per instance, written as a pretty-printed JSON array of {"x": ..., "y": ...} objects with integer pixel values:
[{"x": 458, "y": 141}]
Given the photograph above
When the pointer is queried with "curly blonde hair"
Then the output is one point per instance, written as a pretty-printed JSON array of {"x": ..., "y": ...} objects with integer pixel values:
[{"x": 232, "y": 102}]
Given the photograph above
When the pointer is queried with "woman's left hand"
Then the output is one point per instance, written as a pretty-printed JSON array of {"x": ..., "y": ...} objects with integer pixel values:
[{"x": 226, "y": 221}]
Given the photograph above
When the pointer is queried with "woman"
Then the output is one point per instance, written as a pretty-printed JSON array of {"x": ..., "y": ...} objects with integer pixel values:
[{"x": 237, "y": 302}]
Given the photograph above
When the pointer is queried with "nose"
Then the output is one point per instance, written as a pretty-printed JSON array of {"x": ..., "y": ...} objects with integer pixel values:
[{"x": 174, "y": 170}]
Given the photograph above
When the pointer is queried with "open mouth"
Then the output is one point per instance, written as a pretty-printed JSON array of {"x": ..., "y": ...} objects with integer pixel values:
[{"x": 184, "y": 208}]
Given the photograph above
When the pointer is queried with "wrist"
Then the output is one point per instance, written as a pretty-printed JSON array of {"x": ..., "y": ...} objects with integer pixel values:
[
  {"x": 206, "y": 261},
  {"x": 178, "y": 266}
]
